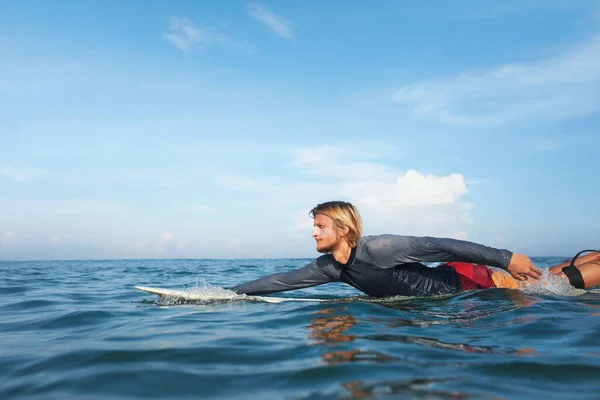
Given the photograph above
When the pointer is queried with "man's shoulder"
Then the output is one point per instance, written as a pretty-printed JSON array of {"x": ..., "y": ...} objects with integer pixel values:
[
  {"x": 379, "y": 236},
  {"x": 326, "y": 264},
  {"x": 324, "y": 260},
  {"x": 371, "y": 240}
]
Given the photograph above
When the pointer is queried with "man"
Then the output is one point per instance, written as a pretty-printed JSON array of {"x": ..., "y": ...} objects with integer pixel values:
[{"x": 390, "y": 265}]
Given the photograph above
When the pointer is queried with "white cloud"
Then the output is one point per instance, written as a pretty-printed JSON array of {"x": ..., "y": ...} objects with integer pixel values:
[
  {"x": 277, "y": 23},
  {"x": 411, "y": 190},
  {"x": 390, "y": 200},
  {"x": 20, "y": 174},
  {"x": 7, "y": 239},
  {"x": 186, "y": 36},
  {"x": 413, "y": 203},
  {"x": 168, "y": 243},
  {"x": 562, "y": 87},
  {"x": 178, "y": 41},
  {"x": 163, "y": 241}
]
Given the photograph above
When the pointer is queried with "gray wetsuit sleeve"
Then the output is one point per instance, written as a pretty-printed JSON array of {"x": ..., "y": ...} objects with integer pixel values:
[
  {"x": 396, "y": 249},
  {"x": 315, "y": 273}
]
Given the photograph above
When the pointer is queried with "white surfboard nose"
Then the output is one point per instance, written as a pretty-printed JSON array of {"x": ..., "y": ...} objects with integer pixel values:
[{"x": 191, "y": 295}]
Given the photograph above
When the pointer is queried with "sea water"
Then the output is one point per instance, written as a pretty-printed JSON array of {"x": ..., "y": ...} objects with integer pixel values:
[{"x": 79, "y": 329}]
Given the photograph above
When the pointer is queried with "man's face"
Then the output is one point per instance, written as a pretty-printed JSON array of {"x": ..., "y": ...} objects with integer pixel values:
[{"x": 325, "y": 234}]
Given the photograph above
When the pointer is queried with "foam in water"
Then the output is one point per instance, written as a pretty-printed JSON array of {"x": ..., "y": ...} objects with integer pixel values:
[{"x": 550, "y": 284}]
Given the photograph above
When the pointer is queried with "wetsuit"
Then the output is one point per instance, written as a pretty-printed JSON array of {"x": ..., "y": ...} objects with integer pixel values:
[{"x": 389, "y": 265}]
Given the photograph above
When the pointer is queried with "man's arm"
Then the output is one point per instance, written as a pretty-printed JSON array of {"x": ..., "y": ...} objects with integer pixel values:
[
  {"x": 405, "y": 249},
  {"x": 430, "y": 249},
  {"x": 311, "y": 275}
]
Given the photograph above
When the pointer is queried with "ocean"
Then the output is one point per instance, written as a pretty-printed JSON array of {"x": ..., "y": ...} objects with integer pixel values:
[{"x": 79, "y": 329}]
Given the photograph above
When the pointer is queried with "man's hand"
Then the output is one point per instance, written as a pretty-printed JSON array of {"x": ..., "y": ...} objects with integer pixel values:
[{"x": 521, "y": 267}]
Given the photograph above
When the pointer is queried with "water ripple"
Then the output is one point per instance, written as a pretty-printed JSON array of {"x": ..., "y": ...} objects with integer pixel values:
[{"x": 79, "y": 330}]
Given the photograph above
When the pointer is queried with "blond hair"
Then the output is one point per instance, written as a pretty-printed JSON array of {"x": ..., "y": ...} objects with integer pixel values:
[{"x": 343, "y": 215}]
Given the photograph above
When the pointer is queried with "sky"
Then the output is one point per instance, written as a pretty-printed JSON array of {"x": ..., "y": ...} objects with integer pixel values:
[{"x": 204, "y": 129}]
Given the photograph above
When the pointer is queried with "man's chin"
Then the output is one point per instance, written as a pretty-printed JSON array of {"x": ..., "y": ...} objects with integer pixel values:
[{"x": 324, "y": 249}]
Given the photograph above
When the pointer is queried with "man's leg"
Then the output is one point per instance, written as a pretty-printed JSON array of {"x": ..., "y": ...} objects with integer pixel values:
[
  {"x": 588, "y": 258},
  {"x": 590, "y": 273},
  {"x": 472, "y": 276},
  {"x": 588, "y": 266},
  {"x": 503, "y": 279}
]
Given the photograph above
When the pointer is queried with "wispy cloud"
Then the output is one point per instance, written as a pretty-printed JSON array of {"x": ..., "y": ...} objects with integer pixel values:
[
  {"x": 20, "y": 174},
  {"x": 563, "y": 87},
  {"x": 186, "y": 36},
  {"x": 546, "y": 145},
  {"x": 195, "y": 209},
  {"x": 328, "y": 161},
  {"x": 78, "y": 208},
  {"x": 246, "y": 184},
  {"x": 275, "y": 22},
  {"x": 480, "y": 181},
  {"x": 55, "y": 240},
  {"x": 512, "y": 8},
  {"x": 162, "y": 177},
  {"x": 168, "y": 243}
]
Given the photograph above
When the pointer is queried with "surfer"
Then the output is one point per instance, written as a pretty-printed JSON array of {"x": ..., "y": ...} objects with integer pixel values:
[{"x": 391, "y": 265}]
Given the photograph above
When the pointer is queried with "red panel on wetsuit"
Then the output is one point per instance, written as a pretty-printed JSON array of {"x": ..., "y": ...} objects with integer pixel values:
[{"x": 473, "y": 276}]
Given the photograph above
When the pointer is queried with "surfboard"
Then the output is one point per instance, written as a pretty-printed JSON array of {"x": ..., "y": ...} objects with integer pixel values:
[{"x": 190, "y": 295}]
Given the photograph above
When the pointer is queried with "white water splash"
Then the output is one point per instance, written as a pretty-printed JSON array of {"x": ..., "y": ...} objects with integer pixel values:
[
  {"x": 205, "y": 289},
  {"x": 202, "y": 292},
  {"x": 550, "y": 284}
]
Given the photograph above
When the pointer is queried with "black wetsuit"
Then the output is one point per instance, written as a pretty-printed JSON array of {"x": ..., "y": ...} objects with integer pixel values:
[{"x": 387, "y": 265}]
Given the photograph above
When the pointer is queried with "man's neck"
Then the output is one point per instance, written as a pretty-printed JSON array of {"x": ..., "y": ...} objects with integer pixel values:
[{"x": 342, "y": 253}]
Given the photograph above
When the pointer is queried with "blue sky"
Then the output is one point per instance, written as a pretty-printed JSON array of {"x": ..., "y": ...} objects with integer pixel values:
[{"x": 209, "y": 129}]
